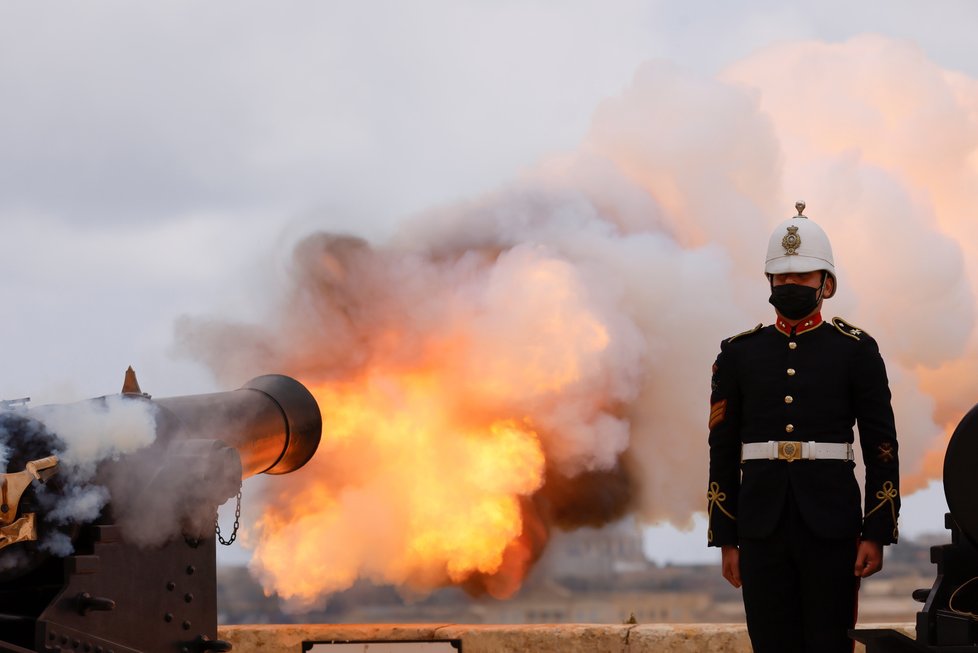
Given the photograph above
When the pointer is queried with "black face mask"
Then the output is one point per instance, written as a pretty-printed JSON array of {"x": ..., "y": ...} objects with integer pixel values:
[{"x": 795, "y": 301}]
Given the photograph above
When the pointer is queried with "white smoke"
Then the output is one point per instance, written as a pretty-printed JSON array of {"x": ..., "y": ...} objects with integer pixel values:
[
  {"x": 98, "y": 430},
  {"x": 83, "y": 436},
  {"x": 108, "y": 452},
  {"x": 622, "y": 265}
]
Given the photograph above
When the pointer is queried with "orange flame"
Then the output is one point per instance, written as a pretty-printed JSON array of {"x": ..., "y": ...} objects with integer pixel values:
[
  {"x": 434, "y": 452},
  {"x": 443, "y": 493}
]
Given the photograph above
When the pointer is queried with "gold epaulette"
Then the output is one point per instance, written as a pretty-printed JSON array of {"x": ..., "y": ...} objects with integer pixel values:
[
  {"x": 745, "y": 333},
  {"x": 847, "y": 329}
]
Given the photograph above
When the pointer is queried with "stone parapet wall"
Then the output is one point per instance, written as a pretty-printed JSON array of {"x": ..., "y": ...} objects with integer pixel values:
[{"x": 558, "y": 638}]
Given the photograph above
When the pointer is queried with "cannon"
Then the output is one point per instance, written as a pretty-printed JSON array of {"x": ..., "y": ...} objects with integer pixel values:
[
  {"x": 948, "y": 622},
  {"x": 119, "y": 590}
]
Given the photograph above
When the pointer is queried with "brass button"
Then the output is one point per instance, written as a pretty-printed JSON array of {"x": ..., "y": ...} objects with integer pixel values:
[
  {"x": 791, "y": 371},
  {"x": 792, "y": 345},
  {"x": 788, "y": 399},
  {"x": 789, "y": 428}
]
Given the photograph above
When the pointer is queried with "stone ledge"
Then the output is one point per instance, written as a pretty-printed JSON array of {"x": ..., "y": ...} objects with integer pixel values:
[{"x": 556, "y": 638}]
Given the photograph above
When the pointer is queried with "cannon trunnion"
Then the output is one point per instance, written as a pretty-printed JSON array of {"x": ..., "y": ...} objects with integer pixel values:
[{"x": 112, "y": 594}]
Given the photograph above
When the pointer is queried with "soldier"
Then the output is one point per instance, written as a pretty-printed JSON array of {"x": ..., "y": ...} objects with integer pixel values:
[{"x": 783, "y": 501}]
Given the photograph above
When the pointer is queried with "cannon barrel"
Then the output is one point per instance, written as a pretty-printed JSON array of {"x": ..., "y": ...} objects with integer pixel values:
[{"x": 273, "y": 422}]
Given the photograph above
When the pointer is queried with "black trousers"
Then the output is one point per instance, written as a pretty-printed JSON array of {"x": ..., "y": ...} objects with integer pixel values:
[{"x": 799, "y": 590}]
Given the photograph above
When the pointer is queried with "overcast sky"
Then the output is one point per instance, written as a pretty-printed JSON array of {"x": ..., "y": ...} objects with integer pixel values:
[{"x": 160, "y": 159}]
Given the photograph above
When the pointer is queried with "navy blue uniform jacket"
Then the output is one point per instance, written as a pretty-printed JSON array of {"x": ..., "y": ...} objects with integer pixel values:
[{"x": 810, "y": 385}]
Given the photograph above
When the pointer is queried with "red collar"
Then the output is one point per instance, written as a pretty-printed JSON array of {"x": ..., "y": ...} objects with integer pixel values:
[{"x": 807, "y": 324}]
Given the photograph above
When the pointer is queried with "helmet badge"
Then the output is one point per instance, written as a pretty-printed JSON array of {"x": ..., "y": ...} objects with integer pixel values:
[{"x": 791, "y": 241}]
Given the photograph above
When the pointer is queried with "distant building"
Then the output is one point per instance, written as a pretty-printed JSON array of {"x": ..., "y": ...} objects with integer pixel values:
[{"x": 595, "y": 555}]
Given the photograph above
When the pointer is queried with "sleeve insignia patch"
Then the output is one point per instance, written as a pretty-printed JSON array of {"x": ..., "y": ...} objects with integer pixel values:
[
  {"x": 886, "y": 453},
  {"x": 847, "y": 329},
  {"x": 718, "y": 411}
]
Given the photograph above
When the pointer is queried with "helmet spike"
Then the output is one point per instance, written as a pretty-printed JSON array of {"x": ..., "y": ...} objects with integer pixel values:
[{"x": 800, "y": 205}]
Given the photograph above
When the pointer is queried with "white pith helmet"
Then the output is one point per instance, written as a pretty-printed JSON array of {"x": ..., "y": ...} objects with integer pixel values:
[{"x": 800, "y": 245}]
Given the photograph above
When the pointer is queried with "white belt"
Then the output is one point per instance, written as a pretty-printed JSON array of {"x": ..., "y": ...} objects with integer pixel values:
[{"x": 792, "y": 450}]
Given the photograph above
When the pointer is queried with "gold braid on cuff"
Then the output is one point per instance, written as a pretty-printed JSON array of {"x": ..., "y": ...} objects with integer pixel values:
[
  {"x": 715, "y": 497},
  {"x": 887, "y": 495}
]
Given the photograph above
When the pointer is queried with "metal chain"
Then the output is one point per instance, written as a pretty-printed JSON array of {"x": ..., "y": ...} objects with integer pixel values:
[{"x": 237, "y": 519}]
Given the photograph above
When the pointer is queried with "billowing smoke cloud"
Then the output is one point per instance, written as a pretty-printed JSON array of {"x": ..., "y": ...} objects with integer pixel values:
[{"x": 571, "y": 318}]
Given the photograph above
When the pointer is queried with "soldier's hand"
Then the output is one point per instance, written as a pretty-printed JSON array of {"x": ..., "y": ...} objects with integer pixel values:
[
  {"x": 731, "y": 564},
  {"x": 869, "y": 558}
]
